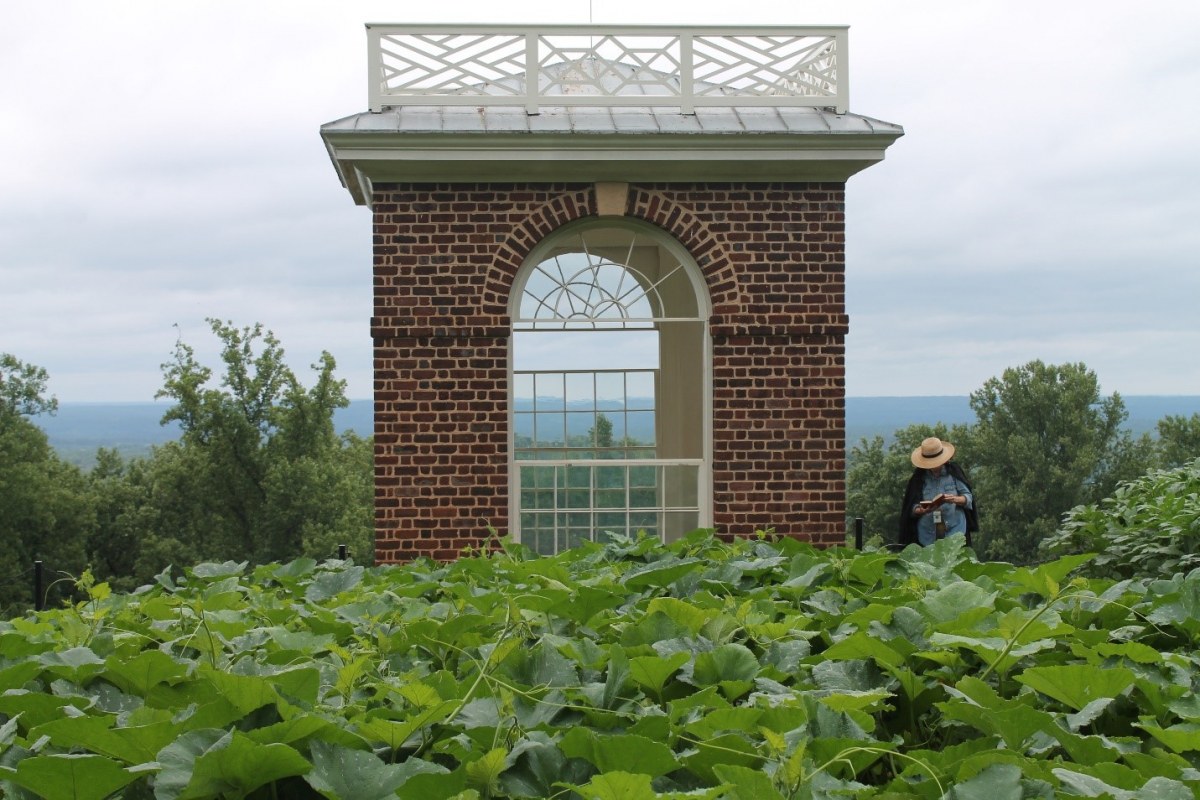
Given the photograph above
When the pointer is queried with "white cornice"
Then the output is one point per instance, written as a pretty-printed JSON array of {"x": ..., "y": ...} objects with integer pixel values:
[{"x": 364, "y": 158}]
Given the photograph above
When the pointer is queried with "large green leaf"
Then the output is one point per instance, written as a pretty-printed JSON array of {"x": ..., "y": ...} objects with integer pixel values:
[
  {"x": 395, "y": 732},
  {"x": 71, "y": 777},
  {"x": 995, "y": 782},
  {"x": 330, "y": 584},
  {"x": 143, "y": 672},
  {"x": 729, "y": 662},
  {"x": 232, "y": 766},
  {"x": 660, "y": 573},
  {"x": 134, "y": 745},
  {"x": 653, "y": 672},
  {"x": 1181, "y": 738},
  {"x": 339, "y": 772},
  {"x": 616, "y": 786},
  {"x": 746, "y": 783},
  {"x": 620, "y": 752},
  {"x": 1077, "y": 685},
  {"x": 951, "y": 601}
]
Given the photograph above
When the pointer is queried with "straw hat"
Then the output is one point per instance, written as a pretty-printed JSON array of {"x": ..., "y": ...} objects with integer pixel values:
[{"x": 932, "y": 453}]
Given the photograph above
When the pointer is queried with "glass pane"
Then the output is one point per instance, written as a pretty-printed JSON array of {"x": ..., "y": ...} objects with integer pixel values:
[
  {"x": 645, "y": 521},
  {"x": 679, "y": 486},
  {"x": 542, "y": 477},
  {"x": 522, "y": 391},
  {"x": 537, "y": 533},
  {"x": 641, "y": 426},
  {"x": 549, "y": 429},
  {"x": 609, "y": 478},
  {"x": 610, "y": 498},
  {"x": 574, "y": 537},
  {"x": 610, "y": 390},
  {"x": 616, "y": 421},
  {"x": 581, "y": 391},
  {"x": 642, "y": 477},
  {"x": 643, "y": 498},
  {"x": 579, "y": 428},
  {"x": 544, "y": 498},
  {"x": 579, "y": 498},
  {"x": 677, "y": 524},
  {"x": 523, "y": 429},
  {"x": 640, "y": 389},
  {"x": 548, "y": 387},
  {"x": 611, "y": 522},
  {"x": 579, "y": 477}
]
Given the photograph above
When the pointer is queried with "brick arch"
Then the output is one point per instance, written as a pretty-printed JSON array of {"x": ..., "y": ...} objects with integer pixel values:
[{"x": 646, "y": 205}]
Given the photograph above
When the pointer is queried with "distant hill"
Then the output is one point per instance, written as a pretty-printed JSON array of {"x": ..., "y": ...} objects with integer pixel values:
[
  {"x": 79, "y": 429},
  {"x": 871, "y": 416}
]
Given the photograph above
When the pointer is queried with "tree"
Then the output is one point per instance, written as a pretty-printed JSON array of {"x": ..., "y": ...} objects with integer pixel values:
[
  {"x": 601, "y": 434},
  {"x": 259, "y": 472},
  {"x": 1045, "y": 442},
  {"x": 45, "y": 512},
  {"x": 22, "y": 388},
  {"x": 1178, "y": 440}
]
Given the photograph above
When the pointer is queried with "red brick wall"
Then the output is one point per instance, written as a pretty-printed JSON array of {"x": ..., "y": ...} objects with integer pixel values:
[{"x": 445, "y": 258}]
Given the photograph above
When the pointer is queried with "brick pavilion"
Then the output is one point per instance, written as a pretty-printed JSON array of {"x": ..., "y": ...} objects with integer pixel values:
[{"x": 609, "y": 280}]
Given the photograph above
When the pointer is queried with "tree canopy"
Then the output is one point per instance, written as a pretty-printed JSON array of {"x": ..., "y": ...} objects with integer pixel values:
[{"x": 1045, "y": 440}]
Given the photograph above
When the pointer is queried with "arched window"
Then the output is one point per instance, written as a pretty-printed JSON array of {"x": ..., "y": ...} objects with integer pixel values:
[{"x": 610, "y": 388}]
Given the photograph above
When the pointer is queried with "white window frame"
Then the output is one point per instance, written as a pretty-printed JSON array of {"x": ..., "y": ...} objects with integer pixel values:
[{"x": 692, "y": 271}]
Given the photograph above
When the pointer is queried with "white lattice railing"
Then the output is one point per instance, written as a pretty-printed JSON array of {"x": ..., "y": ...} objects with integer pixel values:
[{"x": 600, "y": 65}]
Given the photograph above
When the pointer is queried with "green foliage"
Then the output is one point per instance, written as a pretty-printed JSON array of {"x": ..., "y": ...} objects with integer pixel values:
[
  {"x": 44, "y": 508},
  {"x": 1044, "y": 441},
  {"x": 756, "y": 668},
  {"x": 1178, "y": 440},
  {"x": 23, "y": 389},
  {"x": 1150, "y": 526},
  {"x": 259, "y": 473},
  {"x": 1043, "y": 444}
]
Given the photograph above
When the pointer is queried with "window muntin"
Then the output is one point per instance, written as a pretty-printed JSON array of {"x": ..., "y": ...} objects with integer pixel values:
[{"x": 589, "y": 455}]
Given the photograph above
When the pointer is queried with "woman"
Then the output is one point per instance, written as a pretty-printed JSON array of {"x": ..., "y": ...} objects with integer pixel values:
[{"x": 938, "y": 500}]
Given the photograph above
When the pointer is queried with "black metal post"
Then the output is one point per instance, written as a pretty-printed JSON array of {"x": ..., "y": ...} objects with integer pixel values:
[
  {"x": 341, "y": 552},
  {"x": 858, "y": 533},
  {"x": 38, "y": 597}
]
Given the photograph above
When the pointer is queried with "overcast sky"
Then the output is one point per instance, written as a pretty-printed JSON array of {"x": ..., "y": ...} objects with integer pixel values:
[{"x": 162, "y": 164}]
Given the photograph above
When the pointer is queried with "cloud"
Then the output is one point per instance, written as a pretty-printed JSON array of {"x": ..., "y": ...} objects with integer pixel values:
[{"x": 165, "y": 166}]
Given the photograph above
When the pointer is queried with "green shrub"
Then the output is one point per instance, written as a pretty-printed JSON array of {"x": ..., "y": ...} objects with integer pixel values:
[{"x": 1148, "y": 528}]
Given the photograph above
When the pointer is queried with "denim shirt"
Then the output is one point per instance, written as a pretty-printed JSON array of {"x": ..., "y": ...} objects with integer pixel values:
[{"x": 952, "y": 515}]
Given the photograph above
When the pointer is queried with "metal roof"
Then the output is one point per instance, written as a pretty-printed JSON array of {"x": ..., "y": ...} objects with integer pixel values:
[
  {"x": 599, "y": 119},
  {"x": 430, "y": 143}
]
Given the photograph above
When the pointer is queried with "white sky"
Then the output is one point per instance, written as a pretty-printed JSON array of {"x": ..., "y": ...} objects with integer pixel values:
[{"x": 162, "y": 164}]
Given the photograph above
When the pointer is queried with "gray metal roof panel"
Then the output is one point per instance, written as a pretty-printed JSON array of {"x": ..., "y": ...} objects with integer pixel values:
[
  {"x": 550, "y": 119},
  {"x": 719, "y": 120},
  {"x": 762, "y": 119},
  {"x": 591, "y": 119},
  {"x": 634, "y": 120},
  {"x": 601, "y": 119},
  {"x": 804, "y": 120},
  {"x": 505, "y": 119},
  {"x": 848, "y": 123},
  {"x": 464, "y": 119},
  {"x": 671, "y": 121}
]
